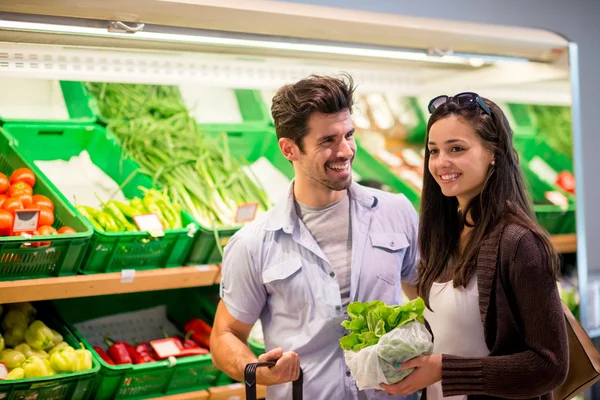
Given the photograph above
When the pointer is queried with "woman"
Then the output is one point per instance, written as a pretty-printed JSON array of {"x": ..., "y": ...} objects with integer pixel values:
[{"x": 488, "y": 271}]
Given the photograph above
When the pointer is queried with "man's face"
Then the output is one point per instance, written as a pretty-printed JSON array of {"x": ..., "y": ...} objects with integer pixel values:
[{"x": 329, "y": 151}]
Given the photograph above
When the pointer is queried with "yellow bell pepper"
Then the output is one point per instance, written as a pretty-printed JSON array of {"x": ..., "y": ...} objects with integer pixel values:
[
  {"x": 12, "y": 358},
  {"x": 14, "y": 336},
  {"x": 39, "y": 336},
  {"x": 29, "y": 352},
  {"x": 63, "y": 345},
  {"x": 63, "y": 360},
  {"x": 35, "y": 367},
  {"x": 58, "y": 339},
  {"x": 25, "y": 308},
  {"x": 83, "y": 361},
  {"x": 17, "y": 373},
  {"x": 51, "y": 370},
  {"x": 14, "y": 319},
  {"x": 2, "y": 345}
]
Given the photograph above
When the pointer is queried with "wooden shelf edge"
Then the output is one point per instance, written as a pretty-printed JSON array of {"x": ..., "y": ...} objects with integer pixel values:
[
  {"x": 566, "y": 243},
  {"x": 103, "y": 284},
  {"x": 233, "y": 391}
]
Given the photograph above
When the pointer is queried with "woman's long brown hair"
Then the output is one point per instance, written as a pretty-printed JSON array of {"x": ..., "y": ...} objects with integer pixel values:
[{"x": 503, "y": 200}]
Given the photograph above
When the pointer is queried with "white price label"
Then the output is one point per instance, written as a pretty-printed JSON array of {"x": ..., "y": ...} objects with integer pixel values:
[
  {"x": 26, "y": 220},
  {"x": 202, "y": 268},
  {"x": 127, "y": 275},
  {"x": 246, "y": 212},
  {"x": 148, "y": 222}
]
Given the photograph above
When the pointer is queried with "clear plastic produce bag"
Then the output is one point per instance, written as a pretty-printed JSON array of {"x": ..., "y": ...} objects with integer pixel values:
[
  {"x": 375, "y": 364},
  {"x": 381, "y": 336}
]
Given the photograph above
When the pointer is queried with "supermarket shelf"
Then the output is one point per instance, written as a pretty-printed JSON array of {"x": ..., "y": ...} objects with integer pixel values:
[
  {"x": 111, "y": 283},
  {"x": 230, "y": 392},
  {"x": 565, "y": 243}
]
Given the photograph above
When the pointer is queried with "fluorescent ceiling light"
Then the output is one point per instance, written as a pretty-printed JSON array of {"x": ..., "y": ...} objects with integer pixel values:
[{"x": 384, "y": 53}]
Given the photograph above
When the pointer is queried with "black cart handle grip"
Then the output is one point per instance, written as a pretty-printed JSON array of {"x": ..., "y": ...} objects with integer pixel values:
[{"x": 250, "y": 380}]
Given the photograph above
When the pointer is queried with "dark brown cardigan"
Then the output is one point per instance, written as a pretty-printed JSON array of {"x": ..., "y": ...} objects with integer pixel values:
[{"x": 523, "y": 322}]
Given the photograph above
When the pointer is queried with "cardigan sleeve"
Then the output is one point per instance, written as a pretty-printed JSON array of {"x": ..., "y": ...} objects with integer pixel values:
[{"x": 543, "y": 365}]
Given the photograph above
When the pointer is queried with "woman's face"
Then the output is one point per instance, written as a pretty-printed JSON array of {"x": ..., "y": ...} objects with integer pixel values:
[{"x": 459, "y": 160}]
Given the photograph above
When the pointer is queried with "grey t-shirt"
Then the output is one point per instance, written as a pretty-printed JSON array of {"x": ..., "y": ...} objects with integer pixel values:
[{"x": 331, "y": 228}]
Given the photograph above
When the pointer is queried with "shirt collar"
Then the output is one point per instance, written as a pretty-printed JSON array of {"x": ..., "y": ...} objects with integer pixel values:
[{"x": 284, "y": 216}]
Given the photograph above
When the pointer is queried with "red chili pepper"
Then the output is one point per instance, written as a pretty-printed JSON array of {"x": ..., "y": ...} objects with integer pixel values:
[
  {"x": 198, "y": 326},
  {"x": 118, "y": 351},
  {"x": 200, "y": 332},
  {"x": 103, "y": 355},
  {"x": 188, "y": 343},
  {"x": 135, "y": 356},
  {"x": 146, "y": 352}
]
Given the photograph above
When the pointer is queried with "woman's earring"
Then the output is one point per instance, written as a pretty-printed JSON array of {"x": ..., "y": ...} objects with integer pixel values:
[{"x": 493, "y": 162}]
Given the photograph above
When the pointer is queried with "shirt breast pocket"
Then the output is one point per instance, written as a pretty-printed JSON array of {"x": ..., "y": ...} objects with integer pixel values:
[
  {"x": 288, "y": 283},
  {"x": 388, "y": 251}
]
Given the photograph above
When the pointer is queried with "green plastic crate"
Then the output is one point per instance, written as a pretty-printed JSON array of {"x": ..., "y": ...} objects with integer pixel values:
[
  {"x": 76, "y": 101},
  {"x": 108, "y": 251},
  {"x": 66, "y": 386},
  {"x": 143, "y": 381},
  {"x": 531, "y": 147},
  {"x": 63, "y": 255}
]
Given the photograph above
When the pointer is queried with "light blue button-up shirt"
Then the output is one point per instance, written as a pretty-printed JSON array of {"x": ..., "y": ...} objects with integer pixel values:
[{"x": 274, "y": 270}]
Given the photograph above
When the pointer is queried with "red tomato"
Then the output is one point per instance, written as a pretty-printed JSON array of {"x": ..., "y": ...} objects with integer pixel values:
[
  {"x": 46, "y": 217},
  {"x": 23, "y": 175},
  {"x": 6, "y": 223},
  {"x": 25, "y": 200},
  {"x": 42, "y": 201},
  {"x": 19, "y": 188},
  {"x": 11, "y": 204},
  {"x": 45, "y": 230},
  {"x": 4, "y": 184},
  {"x": 66, "y": 230},
  {"x": 3, "y": 197},
  {"x": 566, "y": 180}
]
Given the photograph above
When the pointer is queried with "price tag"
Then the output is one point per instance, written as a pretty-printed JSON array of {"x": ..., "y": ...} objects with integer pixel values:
[
  {"x": 127, "y": 275},
  {"x": 202, "y": 268},
  {"x": 26, "y": 220},
  {"x": 149, "y": 223},
  {"x": 246, "y": 212},
  {"x": 165, "y": 348}
]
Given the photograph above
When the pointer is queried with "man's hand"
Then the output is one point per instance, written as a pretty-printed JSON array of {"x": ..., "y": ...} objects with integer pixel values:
[
  {"x": 428, "y": 370},
  {"x": 287, "y": 368}
]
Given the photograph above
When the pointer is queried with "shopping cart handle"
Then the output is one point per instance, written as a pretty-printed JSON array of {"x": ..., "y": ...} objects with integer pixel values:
[{"x": 250, "y": 380}]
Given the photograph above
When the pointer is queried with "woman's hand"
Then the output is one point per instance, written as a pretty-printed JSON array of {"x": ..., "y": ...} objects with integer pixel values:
[{"x": 428, "y": 370}]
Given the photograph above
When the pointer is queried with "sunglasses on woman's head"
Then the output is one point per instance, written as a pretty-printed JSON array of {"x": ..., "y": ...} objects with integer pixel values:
[{"x": 464, "y": 100}]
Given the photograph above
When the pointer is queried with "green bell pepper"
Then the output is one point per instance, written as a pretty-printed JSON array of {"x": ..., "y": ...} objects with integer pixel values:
[
  {"x": 35, "y": 367},
  {"x": 63, "y": 360},
  {"x": 17, "y": 373},
  {"x": 83, "y": 362},
  {"x": 12, "y": 358},
  {"x": 39, "y": 336}
]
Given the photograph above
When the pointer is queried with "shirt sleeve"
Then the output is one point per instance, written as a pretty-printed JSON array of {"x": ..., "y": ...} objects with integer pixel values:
[
  {"x": 411, "y": 257},
  {"x": 242, "y": 290}
]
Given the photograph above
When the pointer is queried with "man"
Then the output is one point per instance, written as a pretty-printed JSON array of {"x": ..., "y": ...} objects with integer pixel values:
[{"x": 329, "y": 242}]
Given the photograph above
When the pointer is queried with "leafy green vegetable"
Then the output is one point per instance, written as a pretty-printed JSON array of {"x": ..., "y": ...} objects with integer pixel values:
[{"x": 370, "y": 321}]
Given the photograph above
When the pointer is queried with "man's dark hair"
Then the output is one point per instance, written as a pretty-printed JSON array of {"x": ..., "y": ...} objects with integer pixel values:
[{"x": 293, "y": 104}]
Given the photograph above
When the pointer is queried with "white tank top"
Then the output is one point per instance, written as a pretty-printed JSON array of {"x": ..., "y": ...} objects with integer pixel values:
[{"x": 456, "y": 325}]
